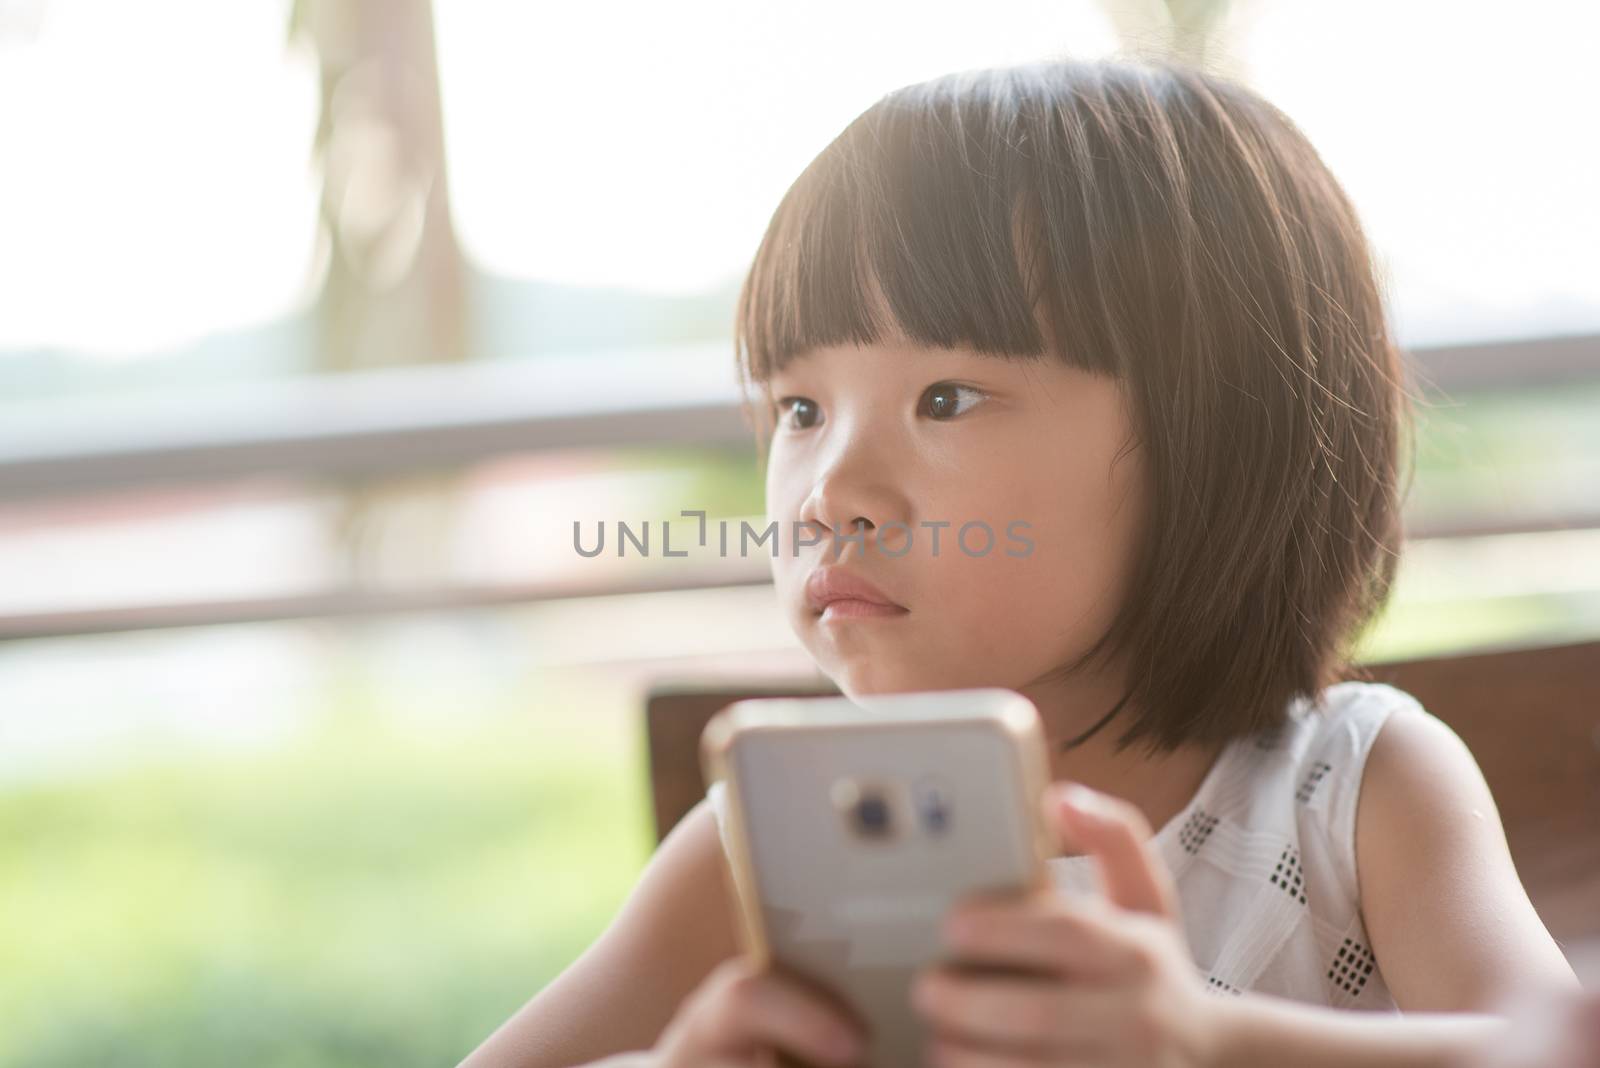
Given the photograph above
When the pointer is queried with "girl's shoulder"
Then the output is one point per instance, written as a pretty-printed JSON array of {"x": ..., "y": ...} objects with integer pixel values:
[
  {"x": 1265, "y": 860},
  {"x": 1324, "y": 741},
  {"x": 1345, "y": 717},
  {"x": 1309, "y": 771},
  {"x": 1298, "y": 783},
  {"x": 1356, "y": 699}
]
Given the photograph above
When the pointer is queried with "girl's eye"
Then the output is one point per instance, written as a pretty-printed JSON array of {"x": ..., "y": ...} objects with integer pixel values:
[
  {"x": 802, "y": 413},
  {"x": 946, "y": 400}
]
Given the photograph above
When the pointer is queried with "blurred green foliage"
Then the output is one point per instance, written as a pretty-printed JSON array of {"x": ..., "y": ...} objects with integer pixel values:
[
  {"x": 366, "y": 895},
  {"x": 1487, "y": 452}
]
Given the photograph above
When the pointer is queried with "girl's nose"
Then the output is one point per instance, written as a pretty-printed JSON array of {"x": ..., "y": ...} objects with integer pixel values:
[
  {"x": 852, "y": 498},
  {"x": 827, "y": 510},
  {"x": 857, "y": 482}
]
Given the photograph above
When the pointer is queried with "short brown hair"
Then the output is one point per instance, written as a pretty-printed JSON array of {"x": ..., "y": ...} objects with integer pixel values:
[{"x": 1181, "y": 235}]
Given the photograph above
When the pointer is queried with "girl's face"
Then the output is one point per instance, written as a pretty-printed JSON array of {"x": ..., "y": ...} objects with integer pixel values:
[{"x": 891, "y": 441}]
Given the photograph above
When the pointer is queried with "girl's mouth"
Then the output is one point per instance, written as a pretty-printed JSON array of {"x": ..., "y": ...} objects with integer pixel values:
[
  {"x": 847, "y": 608},
  {"x": 835, "y": 593}
]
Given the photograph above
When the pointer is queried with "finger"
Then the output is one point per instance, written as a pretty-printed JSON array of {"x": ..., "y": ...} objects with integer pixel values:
[
  {"x": 759, "y": 1010},
  {"x": 1045, "y": 933},
  {"x": 1039, "y": 1016},
  {"x": 1116, "y": 832}
]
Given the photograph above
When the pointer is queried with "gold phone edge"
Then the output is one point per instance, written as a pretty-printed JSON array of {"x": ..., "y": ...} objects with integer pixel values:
[
  {"x": 1029, "y": 747},
  {"x": 1032, "y": 749},
  {"x": 738, "y": 871}
]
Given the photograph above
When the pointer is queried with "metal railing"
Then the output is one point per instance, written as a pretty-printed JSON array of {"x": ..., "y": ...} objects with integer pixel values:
[{"x": 440, "y": 417}]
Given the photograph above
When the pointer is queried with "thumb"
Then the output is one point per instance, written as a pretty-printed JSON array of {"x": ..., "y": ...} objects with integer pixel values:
[{"x": 1118, "y": 835}]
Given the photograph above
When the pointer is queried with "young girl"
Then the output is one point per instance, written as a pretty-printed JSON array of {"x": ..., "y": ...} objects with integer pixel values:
[{"x": 1123, "y": 314}]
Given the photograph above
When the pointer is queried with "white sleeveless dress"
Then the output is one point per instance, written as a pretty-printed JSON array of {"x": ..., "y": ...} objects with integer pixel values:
[{"x": 1264, "y": 857}]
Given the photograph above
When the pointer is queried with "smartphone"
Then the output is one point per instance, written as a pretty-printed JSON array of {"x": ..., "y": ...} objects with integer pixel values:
[{"x": 852, "y": 826}]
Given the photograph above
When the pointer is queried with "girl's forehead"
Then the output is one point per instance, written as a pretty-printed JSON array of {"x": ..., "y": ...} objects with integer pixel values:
[{"x": 902, "y": 352}]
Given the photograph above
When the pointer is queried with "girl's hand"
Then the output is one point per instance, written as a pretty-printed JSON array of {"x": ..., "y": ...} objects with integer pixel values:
[
  {"x": 1109, "y": 981},
  {"x": 742, "y": 1016}
]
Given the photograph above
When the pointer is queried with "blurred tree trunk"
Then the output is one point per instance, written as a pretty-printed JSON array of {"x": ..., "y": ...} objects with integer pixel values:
[
  {"x": 1193, "y": 31},
  {"x": 395, "y": 288}
]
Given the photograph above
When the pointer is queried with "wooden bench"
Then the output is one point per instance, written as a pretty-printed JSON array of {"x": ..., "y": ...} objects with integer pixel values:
[{"x": 1531, "y": 716}]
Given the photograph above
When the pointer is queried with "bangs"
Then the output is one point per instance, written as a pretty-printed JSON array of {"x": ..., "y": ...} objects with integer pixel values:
[{"x": 942, "y": 216}]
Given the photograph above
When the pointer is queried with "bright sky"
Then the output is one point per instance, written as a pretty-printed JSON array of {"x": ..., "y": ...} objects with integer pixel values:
[
  {"x": 648, "y": 144},
  {"x": 156, "y": 184},
  {"x": 1464, "y": 132}
]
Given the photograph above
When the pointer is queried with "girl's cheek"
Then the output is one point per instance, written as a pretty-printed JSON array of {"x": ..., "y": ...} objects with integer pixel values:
[{"x": 783, "y": 498}]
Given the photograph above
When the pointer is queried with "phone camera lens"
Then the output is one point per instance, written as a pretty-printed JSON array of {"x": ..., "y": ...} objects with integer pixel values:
[
  {"x": 872, "y": 815},
  {"x": 933, "y": 805}
]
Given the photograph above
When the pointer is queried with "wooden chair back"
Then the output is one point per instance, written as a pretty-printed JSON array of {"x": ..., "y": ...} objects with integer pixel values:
[{"x": 1530, "y": 716}]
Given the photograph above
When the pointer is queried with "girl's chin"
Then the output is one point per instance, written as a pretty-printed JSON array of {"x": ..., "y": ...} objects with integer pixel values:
[
  {"x": 872, "y": 679},
  {"x": 860, "y": 679}
]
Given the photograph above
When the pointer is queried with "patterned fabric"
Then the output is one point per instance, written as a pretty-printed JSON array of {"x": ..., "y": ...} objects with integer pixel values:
[{"x": 1264, "y": 856}]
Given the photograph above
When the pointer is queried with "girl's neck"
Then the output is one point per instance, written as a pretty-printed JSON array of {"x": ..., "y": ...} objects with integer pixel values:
[{"x": 1161, "y": 786}]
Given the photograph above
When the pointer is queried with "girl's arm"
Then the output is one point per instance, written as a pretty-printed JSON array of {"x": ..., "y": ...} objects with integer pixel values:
[
  {"x": 672, "y": 931},
  {"x": 1449, "y": 921},
  {"x": 1451, "y": 926},
  {"x": 1258, "y": 1029}
]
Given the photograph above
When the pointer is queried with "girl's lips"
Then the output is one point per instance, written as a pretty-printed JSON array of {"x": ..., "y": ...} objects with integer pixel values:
[
  {"x": 840, "y": 593},
  {"x": 852, "y": 609}
]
